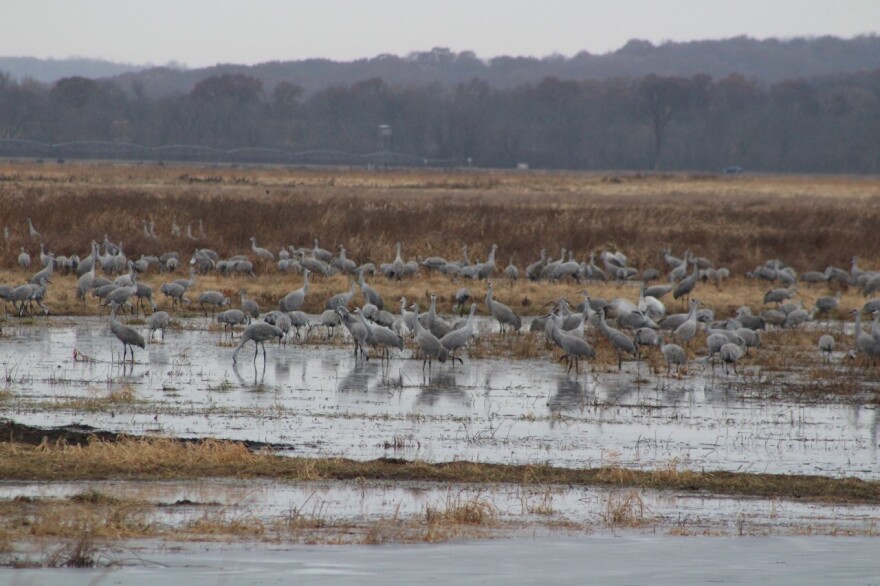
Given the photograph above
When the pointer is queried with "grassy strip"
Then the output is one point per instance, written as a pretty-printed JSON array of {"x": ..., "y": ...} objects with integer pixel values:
[{"x": 160, "y": 458}]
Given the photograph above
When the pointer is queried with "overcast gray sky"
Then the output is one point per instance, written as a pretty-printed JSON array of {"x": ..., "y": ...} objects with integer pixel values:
[{"x": 204, "y": 32}]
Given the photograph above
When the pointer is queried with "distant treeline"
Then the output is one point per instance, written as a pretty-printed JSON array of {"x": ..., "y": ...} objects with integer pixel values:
[{"x": 828, "y": 124}]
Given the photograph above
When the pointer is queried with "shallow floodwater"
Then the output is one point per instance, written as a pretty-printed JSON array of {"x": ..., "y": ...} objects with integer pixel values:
[
  {"x": 320, "y": 401},
  {"x": 597, "y": 559}
]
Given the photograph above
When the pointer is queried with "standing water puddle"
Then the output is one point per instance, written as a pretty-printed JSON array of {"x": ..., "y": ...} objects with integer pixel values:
[{"x": 320, "y": 401}]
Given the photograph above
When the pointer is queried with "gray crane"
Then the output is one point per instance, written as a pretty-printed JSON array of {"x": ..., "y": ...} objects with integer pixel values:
[
  {"x": 428, "y": 343},
  {"x": 343, "y": 263},
  {"x": 341, "y": 299},
  {"x": 84, "y": 284},
  {"x": 294, "y": 300},
  {"x": 502, "y": 313},
  {"x": 259, "y": 333},
  {"x": 397, "y": 267},
  {"x": 438, "y": 326},
  {"x": 686, "y": 285},
  {"x": 119, "y": 297},
  {"x": 127, "y": 335},
  {"x": 370, "y": 294},
  {"x": 158, "y": 321},
  {"x": 33, "y": 231},
  {"x": 231, "y": 318},
  {"x": 484, "y": 270},
  {"x": 462, "y": 296},
  {"x": 261, "y": 253},
  {"x": 673, "y": 354},
  {"x": 382, "y": 336},
  {"x": 777, "y": 296},
  {"x": 24, "y": 259},
  {"x": 688, "y": 329},
  {"x": 574, "y": 347},
  {"x": 322, "y": 254},
  {"x": 730, "y": 354},
  {"x": 408, "y": 317},
  {"x": 175, "y": 229},
  {"x": 826, "y": 346},
  {"x": 329, "y": 319},
  {"x": 621, "y": 342},
  {"x": 511, "y": 272},
  {"x": 459, "y": 338},
  {"x": 533, "y": 271},
  {"x": 359, "y": 333},
  {"x": 175, "y": 291},
  {"x": 142, "y": 292},
  {"x": 249, "y": 306},
  {"x": 213, "y": 298}
]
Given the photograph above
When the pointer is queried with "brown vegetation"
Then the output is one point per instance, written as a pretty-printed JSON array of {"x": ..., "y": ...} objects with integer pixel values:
[
  {"x": 170, "y": 459},
  {"x": 809, "y": 222}
]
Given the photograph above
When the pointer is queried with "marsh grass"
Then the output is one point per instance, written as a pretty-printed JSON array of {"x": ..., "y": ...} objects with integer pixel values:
[{"x": 170, "y": 459}]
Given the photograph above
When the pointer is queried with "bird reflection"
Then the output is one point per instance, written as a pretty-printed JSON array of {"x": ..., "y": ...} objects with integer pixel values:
[
  {"x": 259, "y": 374},
  {"x": 359, "y": 377},
  {"x": 442, "y": 385},
  {"x": 570, "y": 394}
]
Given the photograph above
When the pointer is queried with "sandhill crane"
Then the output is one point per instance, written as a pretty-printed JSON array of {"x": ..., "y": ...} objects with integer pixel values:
[
  {"x": 24, "y": 259},
  {"x": 370, "y": 294},
  {"x": 382, "y": 336},
  {"x": 397, "y": 267},
  {"x": 618, "y": 339},
  {"x": 84, "y": 284},
  {"x": 672, "y": 354},
  {"x": 428, "y": 343},
  {"x": 261, "y": 253},
  {"x": 688, "y": 329},
  {"x": 231, "y": 318},
  {"x": 45, "y": 259},
  {"x": 127, "y": 335},
  {"x": 119, "y": 297},
  {"x": 321, "y": 254},
  {"x": 33, "y": 231},
  {"x": 533, "y": 271},
  {"x": 686, "y": 285},
  {"x": 249, "y": 306},
  {"x": 329, "y": 319},
  {"x": 341, "y": 299},
  {"x": 359, "y": 332},
  {"x": 259, "y": 333},
  {"x": 502, "y": 313},
  {"x": 213, "y": 298},
  {"x": 343, "y": 263},
  {"x": 777, "y": 296},
  {"x": 826, "y": 346},
  {"x": 408, "y": 317},
  {"x": 158, "y": 321},
  {"x": 142, "y": 292},
  {"x": 438, "y": 326},
  {"x": 574, "y": 347},
  {"x": 485, "y": 270},
  {"x": 825, "y": 305},
  {"x": 511, "y": 272},
  {"x": 294, "y": 300},
  {"x": 730, "y": 353},
  {"x": 175, "y": 229},
  {"x": 865, "y": 342},
  {"x": 459, "y": 338},
  {"x": 461, "y": 296},
  {"x": 175, "y": 291}
]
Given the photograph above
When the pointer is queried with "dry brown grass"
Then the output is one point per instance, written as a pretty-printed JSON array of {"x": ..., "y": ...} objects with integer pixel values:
[
  {"x": 810, "y": 222},
  {"x": 171, "y": 459}
]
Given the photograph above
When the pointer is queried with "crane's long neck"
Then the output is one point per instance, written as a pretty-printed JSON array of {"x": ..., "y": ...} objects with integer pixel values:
[
  {"x": 305, "y": 282},
  {"x": 489, "y": 297}
]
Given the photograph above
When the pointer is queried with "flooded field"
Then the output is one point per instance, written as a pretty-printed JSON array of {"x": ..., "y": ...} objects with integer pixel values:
[{"x": 317, "y": 400}]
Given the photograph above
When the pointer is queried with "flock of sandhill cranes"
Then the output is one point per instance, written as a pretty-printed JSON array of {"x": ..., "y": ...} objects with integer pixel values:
[{"x": 637, "y": 325}]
